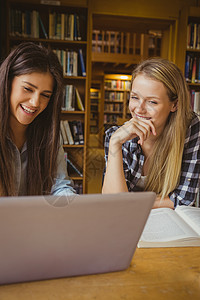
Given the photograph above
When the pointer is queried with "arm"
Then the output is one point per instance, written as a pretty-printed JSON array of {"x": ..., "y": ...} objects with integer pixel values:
[
  {"x": 114, "y": 180},
  {"x": 166, "y": 202},
  {"x": 63, "y": 185}
]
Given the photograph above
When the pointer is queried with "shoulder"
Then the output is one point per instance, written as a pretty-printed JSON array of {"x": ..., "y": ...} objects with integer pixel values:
[
  {"x": 193, "y": 133},
  {"x": 110, "y": 131},
  {"x": 108, "y": 135},
  {"x": 194, "y": 127}
]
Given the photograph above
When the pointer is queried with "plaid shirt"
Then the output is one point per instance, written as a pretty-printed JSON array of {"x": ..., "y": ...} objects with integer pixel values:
[{"x": 133, "y": 161}]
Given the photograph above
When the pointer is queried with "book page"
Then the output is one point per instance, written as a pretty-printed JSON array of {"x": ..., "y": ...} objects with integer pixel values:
[
  {"x": 191, "y": 215},
  {"x": 164, "y": 224}
]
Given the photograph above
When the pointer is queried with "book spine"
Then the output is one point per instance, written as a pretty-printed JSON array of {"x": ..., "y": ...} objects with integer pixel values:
[
  {"x": 43, "y": 29},
  {"x": 83, "y": 71},
  {"x": 80, "y": 132},
  {"x": 194, "y": 71},
  {"x": 74, "y": 131},
  {"x": 79, "y": 38},
  {"x": 69, "y": 134},
  {"x": 79, "y": 101},
  {"x": 63, "y": 133},
  {"x": 74, "y": 167}
]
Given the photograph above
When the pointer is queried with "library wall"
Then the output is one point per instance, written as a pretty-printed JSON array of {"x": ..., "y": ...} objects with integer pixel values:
[
  {"x": 142, "y": 8},
  {"x": 82, "y": 3}
]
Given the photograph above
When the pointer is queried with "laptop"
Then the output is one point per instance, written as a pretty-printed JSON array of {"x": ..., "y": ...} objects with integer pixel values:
[{"x": 44, "y": 237}]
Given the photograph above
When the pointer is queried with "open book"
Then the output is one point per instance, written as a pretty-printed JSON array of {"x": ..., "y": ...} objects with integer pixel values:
[{"x": 172, "y": 228}]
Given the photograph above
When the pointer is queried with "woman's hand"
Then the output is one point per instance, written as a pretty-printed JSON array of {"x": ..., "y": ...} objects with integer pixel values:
[
  {"x": 166, "y": 202},
  {"x": 131, "y": 129}
]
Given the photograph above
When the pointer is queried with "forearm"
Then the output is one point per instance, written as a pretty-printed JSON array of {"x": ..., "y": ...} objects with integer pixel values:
[
  {"x": 114, "y": 180},
  {"x": 166, "y": 202}
]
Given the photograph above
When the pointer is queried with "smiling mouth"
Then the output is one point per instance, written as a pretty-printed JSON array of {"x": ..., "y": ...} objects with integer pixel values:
[
  {"x": 28, "y": 110},
  {"x": 142, "y": 117}
]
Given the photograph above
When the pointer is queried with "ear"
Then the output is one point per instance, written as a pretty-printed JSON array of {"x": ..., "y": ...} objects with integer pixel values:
[{"x": 174, "y": 106}]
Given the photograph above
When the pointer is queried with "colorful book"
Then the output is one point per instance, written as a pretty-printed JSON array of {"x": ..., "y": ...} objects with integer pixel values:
[
  {"x": 79, "y": 101},
  {"x": 83, "y": 71}
]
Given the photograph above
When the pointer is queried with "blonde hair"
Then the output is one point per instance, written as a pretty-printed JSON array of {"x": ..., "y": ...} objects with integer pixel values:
[{"x": 166, "y": 158}]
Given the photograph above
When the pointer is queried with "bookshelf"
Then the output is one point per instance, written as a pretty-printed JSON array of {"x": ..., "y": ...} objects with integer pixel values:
[
  {"x": 95, "y": 98},
  {"x": 64, "y": 29},
  {"x": 125, "y": 47},
  {"x": 116, "y": 97},
  {"x": 192, "y": 60},
  {"x": 189, "y": 58}
]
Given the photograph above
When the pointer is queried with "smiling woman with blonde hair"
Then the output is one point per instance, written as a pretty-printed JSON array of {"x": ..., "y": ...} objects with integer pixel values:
[{"x": 158, "y": 149}]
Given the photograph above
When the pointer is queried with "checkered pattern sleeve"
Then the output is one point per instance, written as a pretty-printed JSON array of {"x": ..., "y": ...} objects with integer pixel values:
[
  {"x": 132, "y": 159},
  {"x": 108, "y": 135},
  {"x": 189, "y": 182}
]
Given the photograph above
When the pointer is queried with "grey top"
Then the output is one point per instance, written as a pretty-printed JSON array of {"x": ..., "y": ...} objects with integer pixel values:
[{"x": 63, "y": 185}]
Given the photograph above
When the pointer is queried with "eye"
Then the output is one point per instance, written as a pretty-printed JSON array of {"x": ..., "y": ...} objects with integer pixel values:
[
  {"x": 47, "y": 96},
  {"x": 153, "y": 102},
  {"x": 27, "y": 89},
  {"x": 134, "y": 98}
]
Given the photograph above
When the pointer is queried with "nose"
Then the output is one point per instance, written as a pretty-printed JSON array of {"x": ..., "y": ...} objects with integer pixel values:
[
  {"x": 35, "y": 100},
  {"x": 141, "y": 105}
]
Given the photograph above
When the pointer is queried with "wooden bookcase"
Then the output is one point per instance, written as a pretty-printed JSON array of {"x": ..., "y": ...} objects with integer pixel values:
[
  {"x": 188, "y": 56},
  {"x": 116, "y": 97},
  {"x": 192, "y": 59},
  {"x": 22, "y": 29},
  {"x": 95, "y": 98}
]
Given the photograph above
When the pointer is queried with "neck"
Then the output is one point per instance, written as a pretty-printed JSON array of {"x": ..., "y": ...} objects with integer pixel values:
[{"x": 18, "y": 134}]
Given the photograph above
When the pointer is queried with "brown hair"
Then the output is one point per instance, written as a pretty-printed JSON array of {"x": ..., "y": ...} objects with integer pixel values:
[{"x": 43, "y": 132}]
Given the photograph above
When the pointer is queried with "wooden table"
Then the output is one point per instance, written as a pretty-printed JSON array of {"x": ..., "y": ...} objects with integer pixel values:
[{"x": 159, "y": 273}]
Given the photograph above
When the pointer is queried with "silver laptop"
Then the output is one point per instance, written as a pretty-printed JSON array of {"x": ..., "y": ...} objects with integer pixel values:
[{"x": 51, "y": 237}]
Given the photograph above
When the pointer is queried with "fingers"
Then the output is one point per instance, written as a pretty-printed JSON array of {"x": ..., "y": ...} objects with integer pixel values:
[
  {"x": 133, "y": 128},
  {"x": 143, "y": 128}
]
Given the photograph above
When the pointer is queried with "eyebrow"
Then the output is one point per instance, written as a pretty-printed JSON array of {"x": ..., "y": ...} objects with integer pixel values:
[
  {"x": 148, "y": 97},
  {"x": 46, "y": 91}
]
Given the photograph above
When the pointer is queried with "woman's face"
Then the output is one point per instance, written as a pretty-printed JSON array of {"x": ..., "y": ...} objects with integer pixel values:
[
  {"x": 149, "y": 101},
  {"x": 30, "y": 95}
]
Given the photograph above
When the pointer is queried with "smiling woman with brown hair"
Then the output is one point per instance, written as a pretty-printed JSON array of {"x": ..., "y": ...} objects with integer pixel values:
[
  {"x": 158, "y": 149},
  {"x": 31, "y": 93}
]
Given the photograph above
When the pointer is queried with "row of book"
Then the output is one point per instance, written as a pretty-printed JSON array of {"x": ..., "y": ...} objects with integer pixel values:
[
  {"x": 114, "y": 96},
  {"x": 94, "y": 107},
  {"x": 95, "y": 94},
  {"x": 64, "y": 26},
  {"x": 118, "y": 84},
  {"x": 72, "y": 99},
  {"x": 72, "y": 62},
  {"x": 195, "y": 101},
  {"x": 118, "y": 107},
  {"x": 72, "y": 132},
  {"x": 28, "y": 23},
  {"x": 193, "y": 36},
  {"x": 112, "y": 119},
  {"x": 192, "y": 68}
]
